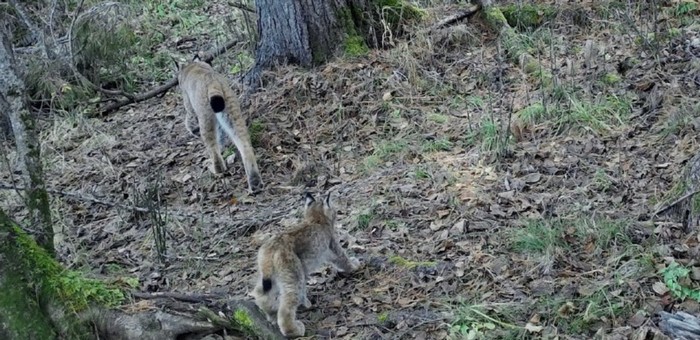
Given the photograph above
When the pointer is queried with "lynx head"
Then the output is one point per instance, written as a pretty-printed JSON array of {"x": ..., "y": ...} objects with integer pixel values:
[
  {"x": 319, "y": 211},
  {"x": 197, "y": 65}
]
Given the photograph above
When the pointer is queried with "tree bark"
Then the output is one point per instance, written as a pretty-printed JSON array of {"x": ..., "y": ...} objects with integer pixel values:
[
  {"x": 25, "y": 310},
  {"x": 39, "y": 300},
  {"x": 12, "y": 101},
  {"x": 309, "y": 32}
]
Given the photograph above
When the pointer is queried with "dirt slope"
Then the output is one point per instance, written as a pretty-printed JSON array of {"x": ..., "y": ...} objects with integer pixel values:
[{"x": 551, "y": 235}]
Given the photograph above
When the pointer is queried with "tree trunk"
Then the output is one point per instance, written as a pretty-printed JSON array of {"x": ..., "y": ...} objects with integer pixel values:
[
  {"x": 25, "y": 310},
  {"x": 309, "y": 32},
  {"x": 12, "y": 101}
]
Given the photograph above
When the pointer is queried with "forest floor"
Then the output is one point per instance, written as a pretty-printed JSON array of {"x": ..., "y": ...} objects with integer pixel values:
[{"x": 463, "y": 228}]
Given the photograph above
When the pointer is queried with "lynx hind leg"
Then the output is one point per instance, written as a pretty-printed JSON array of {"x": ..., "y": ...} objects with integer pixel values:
[
  {"x": 266, "y": 301},
  {"x": 236, "y": 129},
  {"x": 292, "y": 294},
  {"x": 287, "y": 315},
  {"x": 191, "y": 126},
  {"x": 341, "y": 260},
  {"x": 208, "y": 130}
]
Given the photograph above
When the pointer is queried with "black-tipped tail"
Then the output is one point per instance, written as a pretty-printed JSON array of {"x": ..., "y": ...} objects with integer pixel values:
[
  {"x": 267, "y": 285},
  {"x": 218, "y": 104}
]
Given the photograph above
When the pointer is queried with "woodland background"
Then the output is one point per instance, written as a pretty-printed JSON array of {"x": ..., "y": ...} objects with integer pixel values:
[{"x": 506, "y": 170}]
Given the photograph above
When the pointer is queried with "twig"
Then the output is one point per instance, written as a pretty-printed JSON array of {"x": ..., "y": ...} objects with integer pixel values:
[
  {"x": 163, "y": 88},
  {"x": 679, "y": 200},
  {"x": 192, "y": 298},
  {"x": 31, "y": 26},
  {"x": 82, "y": 197},
  {"x": 455, "y": 18},
  {"x": 420, "y": 324},
  {"x": 241, "y": 6},
  {"x": 199, "y": 258}
]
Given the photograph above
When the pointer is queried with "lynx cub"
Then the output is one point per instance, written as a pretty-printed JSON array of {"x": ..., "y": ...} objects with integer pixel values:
[
  {"x": 286, "y": 260},
  {"x": 210, "y": 100}
]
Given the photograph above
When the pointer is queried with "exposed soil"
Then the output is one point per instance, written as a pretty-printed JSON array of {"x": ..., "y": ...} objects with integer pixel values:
[{"x": 433, "y": 214}]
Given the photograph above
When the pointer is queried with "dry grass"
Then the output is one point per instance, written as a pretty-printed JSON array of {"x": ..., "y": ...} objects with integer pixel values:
[{"x": 544, "y": 235}]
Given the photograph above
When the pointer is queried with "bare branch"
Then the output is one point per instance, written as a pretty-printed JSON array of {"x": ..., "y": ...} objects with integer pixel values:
[
  {"x": 674, "y": 203},
  {"x": 241, "y": 6},
  {"x": 163, "y": 88}
]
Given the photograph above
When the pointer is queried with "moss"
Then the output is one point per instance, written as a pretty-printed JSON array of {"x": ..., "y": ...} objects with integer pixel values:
[
  {"x": 402, "y": 262},
  {"x": 21, "y": 317},
  {"x": 383, "y": 317},
  {"x": 243, "y": 319},
  {"x": 495, "y": 17},
  {"x": 74, "y": 290},
  {"x": 528, "y": 15},
  {"x": 398, "y": 12},
  {"x": 611, "y": 78},
  {"x": 256, "y": 130},
  {"x": 355, "y": 46}
]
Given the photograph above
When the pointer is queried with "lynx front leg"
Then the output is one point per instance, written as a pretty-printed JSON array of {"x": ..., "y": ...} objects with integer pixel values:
[
  {"x": 207, "y": 126},
  {"x": 341, "y": 259}
]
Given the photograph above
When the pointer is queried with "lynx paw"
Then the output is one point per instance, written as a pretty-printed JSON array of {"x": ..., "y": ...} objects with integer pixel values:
[
  {"x": 297, "y": 331},
  {"x": 194, "y": 131},
  {"x": 306, "y": 303},
  {"x": 217, "y": 168},
  {"x": 354, "y": 263},
  {"x": 255, "y": 183}
]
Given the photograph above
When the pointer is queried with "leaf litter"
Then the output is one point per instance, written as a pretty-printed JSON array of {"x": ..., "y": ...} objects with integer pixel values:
[{"x": 554, "y": 239}]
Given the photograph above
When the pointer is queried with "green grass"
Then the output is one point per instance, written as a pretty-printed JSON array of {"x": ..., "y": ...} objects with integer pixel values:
[
  {"x": 364, "y": 219},
  {"x": 487, "y": 321},
  {"x": 421, "y": 173},
  {"x": 123, "y": 46},
  {"x": 384, "y": 151},
  {"x": 602, "y": 181},
  {"x": 601, "y": 299},
  {"x": 599, "y": 115},
  {"x": 492, "y": 138},
  {"x": 582, "y": 315},
  {"x": 441, "y": 144},
  {"x": 408, "y": 264},
  {"x": 438, "y": 118},
  {"x": 543, "y": 236}
]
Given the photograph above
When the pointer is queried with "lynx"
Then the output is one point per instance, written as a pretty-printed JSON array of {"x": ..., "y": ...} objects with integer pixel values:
[
  {"x": 210, "y": 101},
  {"x": 286, "y": 260}
]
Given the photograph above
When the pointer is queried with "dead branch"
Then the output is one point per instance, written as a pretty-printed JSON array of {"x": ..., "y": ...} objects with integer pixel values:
[
  {"x": 239, "y": 227},
  {"x": 160, "y": 89},
  {"x": 85, "y": 198},
  {"x": 676, "y": 202},
  {"x": 680, "y": 325},
  {"x": 203, "y": 306},
  {"x": 191, "y": 298},
  {"x": 469, "y": 12},
  {"x": 242, "y": 6}
]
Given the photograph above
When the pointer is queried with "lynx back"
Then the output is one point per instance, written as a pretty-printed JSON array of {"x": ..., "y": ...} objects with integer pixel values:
[{"x": 213, "y": 104}]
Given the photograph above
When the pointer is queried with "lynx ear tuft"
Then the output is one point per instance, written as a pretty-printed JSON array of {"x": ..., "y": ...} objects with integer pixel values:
[
  {"x": 308, "y": 198},
  {"x": 327, "y": 201}
]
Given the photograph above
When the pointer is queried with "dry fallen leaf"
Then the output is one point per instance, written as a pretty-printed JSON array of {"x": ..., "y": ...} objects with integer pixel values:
[
  {"x": 532, "y": 328},
  {"x": 660, "y": 288},
  {"x": 435, "y": 226}
]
